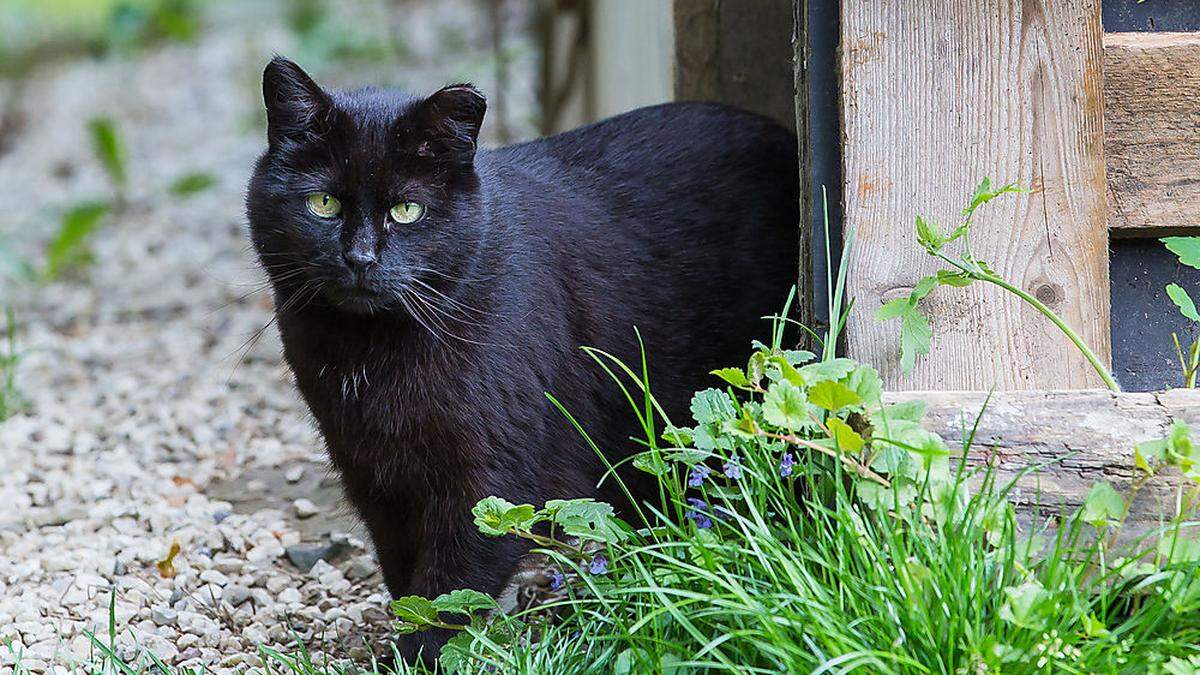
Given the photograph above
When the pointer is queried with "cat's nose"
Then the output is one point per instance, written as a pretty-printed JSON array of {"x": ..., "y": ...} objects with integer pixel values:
[{"x": 359, "y": 258}]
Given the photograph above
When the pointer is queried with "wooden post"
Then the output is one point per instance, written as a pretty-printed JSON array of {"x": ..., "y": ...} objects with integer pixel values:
[{"x": 937, "y": 95}]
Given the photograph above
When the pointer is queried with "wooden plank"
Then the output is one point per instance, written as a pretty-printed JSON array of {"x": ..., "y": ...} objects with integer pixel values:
[
  {"x": 1152, "y": 133},
  {"x": 725, "y": 53},
  {"x": 805, "y": 289},
  {"x": 936, "y": 96},
  {"x": 1077, "y": 437}
]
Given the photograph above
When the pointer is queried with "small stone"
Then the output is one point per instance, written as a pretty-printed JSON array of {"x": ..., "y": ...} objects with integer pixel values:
[
  {"x": 235, "y": 594},
  {"x": 294, "y": 474},
  {"x": 289, "y": 596},
  {"x": 164, "y": 616},
  {"x": 304, "y": 557},
  {"x": 321, "y": 569},
  {"x": 220, "y": 515},
  {"x": 227, "y": 564},
  {"x": 214, "y": 577},
  {"x": 305, "y": 508},
  {"x": 360, "y": 568}
]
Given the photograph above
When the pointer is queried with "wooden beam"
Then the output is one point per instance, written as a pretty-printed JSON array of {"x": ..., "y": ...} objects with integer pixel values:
[
  {"x": 1076, "y": 437},
  {"x": 937, "y": 94},
  {"x": 1152, "y": 133}
]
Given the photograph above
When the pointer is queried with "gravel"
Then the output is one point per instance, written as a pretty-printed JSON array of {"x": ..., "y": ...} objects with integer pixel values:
[{"x": 155, "y": 423}]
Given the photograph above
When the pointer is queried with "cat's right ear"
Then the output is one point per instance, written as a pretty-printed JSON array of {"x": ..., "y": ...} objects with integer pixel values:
[{"x": 297, "y": 108}]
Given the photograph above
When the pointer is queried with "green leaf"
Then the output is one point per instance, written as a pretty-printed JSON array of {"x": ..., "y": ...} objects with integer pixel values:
[
  {"x": 756, "y": 367},
  {"x": 846, "y": 438},
  {"x": 1186, "y": 248},
  {"x": 785, "y": 406},
  {"x": 677, "y": 436},
  {"x": 865, "y": 382},
  {"x": 798, "y": 357},
  {"x": 415, "y": 610},
  {"x": 1178, "y": 549},
  {"x": 893, "y": 309},
  {"x": 1028, "y": 606},
  {"x": 686, "y": 456},
  {"x": 955, "y": 279},
  {"x": 711, "y": 406},
  {"x": 922, "y": 289},
  {"x": 586, "y": 519},
  {"x": 1093, "y": 627},
  {"x": 915, "y": 336},
  {"x": 70, "y": 245},
  {"x": 1103, "y": 506},
  {"x": 832, "y": 395},
  {"x": 496, "y": 517},
  {"x": 881, "y": 498},
  {"x": 455, "y": 656},
  {"x": 911, "y": 411},
  {"x": 1183, "y": 301},
  {"x": 732, "y": 375},
  {"x": 1148, "y": 454},
  {"x": 191, "y": 183},
  {"x": 788, "y": 371},
  {"x": 833, "y": 369},
  {"x": 651, "y": 462},
  {"x": 106, "y": 143},
  {"x": 984, "y": 194},
  {"x": 463, "y": 601},
  {"x": 929, "y": 235}
]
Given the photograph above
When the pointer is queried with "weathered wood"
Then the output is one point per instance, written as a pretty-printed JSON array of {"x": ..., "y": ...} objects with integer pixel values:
[
  {"x": 1152, "y": 133},
  {"x": 1076, "y": 438},
  {"x": 937, "y": 95},
  {"x": 804, "y": 257},
  {"x": 725, "y": 51}
]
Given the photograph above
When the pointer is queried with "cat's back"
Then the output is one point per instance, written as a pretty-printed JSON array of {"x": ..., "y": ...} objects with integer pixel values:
[{"x": 654, "y": 153}]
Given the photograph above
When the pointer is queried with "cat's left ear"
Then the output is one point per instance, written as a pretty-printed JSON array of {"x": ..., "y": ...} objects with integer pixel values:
[{"x": 451, "y": 119}]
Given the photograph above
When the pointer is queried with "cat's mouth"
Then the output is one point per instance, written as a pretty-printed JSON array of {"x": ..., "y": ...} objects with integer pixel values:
[{"x": 359, "y": 299}]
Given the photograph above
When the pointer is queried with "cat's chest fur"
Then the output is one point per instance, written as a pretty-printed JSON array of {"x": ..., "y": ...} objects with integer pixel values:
[{"x": 380, "y": 412}]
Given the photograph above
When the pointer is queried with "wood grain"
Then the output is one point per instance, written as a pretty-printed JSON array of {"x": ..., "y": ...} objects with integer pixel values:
[
  {"x": 723, "y": 52},
  {"x": 1076, "y": 438},
  {"x": 1152, "y": 133},
  {"x": 937, "y": 95}
]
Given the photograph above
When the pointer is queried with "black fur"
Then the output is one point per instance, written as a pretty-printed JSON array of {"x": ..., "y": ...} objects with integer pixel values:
[{"x": 679, "y": 220}]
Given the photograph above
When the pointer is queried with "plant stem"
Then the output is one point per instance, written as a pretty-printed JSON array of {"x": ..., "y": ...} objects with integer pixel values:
[{"x": 1087, "y": 352}]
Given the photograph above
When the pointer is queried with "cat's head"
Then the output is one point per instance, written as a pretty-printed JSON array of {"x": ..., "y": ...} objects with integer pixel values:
[{"x": 363, "y": 198}]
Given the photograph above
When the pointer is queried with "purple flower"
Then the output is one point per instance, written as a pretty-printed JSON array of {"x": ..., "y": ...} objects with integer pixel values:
[
  {"x": 698, "y": 474},
  {"x": 733, "y": 468},
  {"x": 599, "y": 564},
  {"x": 556, "y": 580},
  {"x": 698, "y": 513},
  {"x": 785, "y": 464}
]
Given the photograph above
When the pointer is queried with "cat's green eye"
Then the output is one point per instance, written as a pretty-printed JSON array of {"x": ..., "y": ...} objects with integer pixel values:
[
  {"x": 407, "y": 212},
  {"x": 324, "y": 205}
]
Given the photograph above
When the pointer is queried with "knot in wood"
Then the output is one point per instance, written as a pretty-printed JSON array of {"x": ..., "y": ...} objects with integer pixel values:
[{"x": 1049, "y": 294}]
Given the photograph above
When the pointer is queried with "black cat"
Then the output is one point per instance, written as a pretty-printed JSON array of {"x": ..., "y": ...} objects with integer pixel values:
[{"x": 428, "y": 293}]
